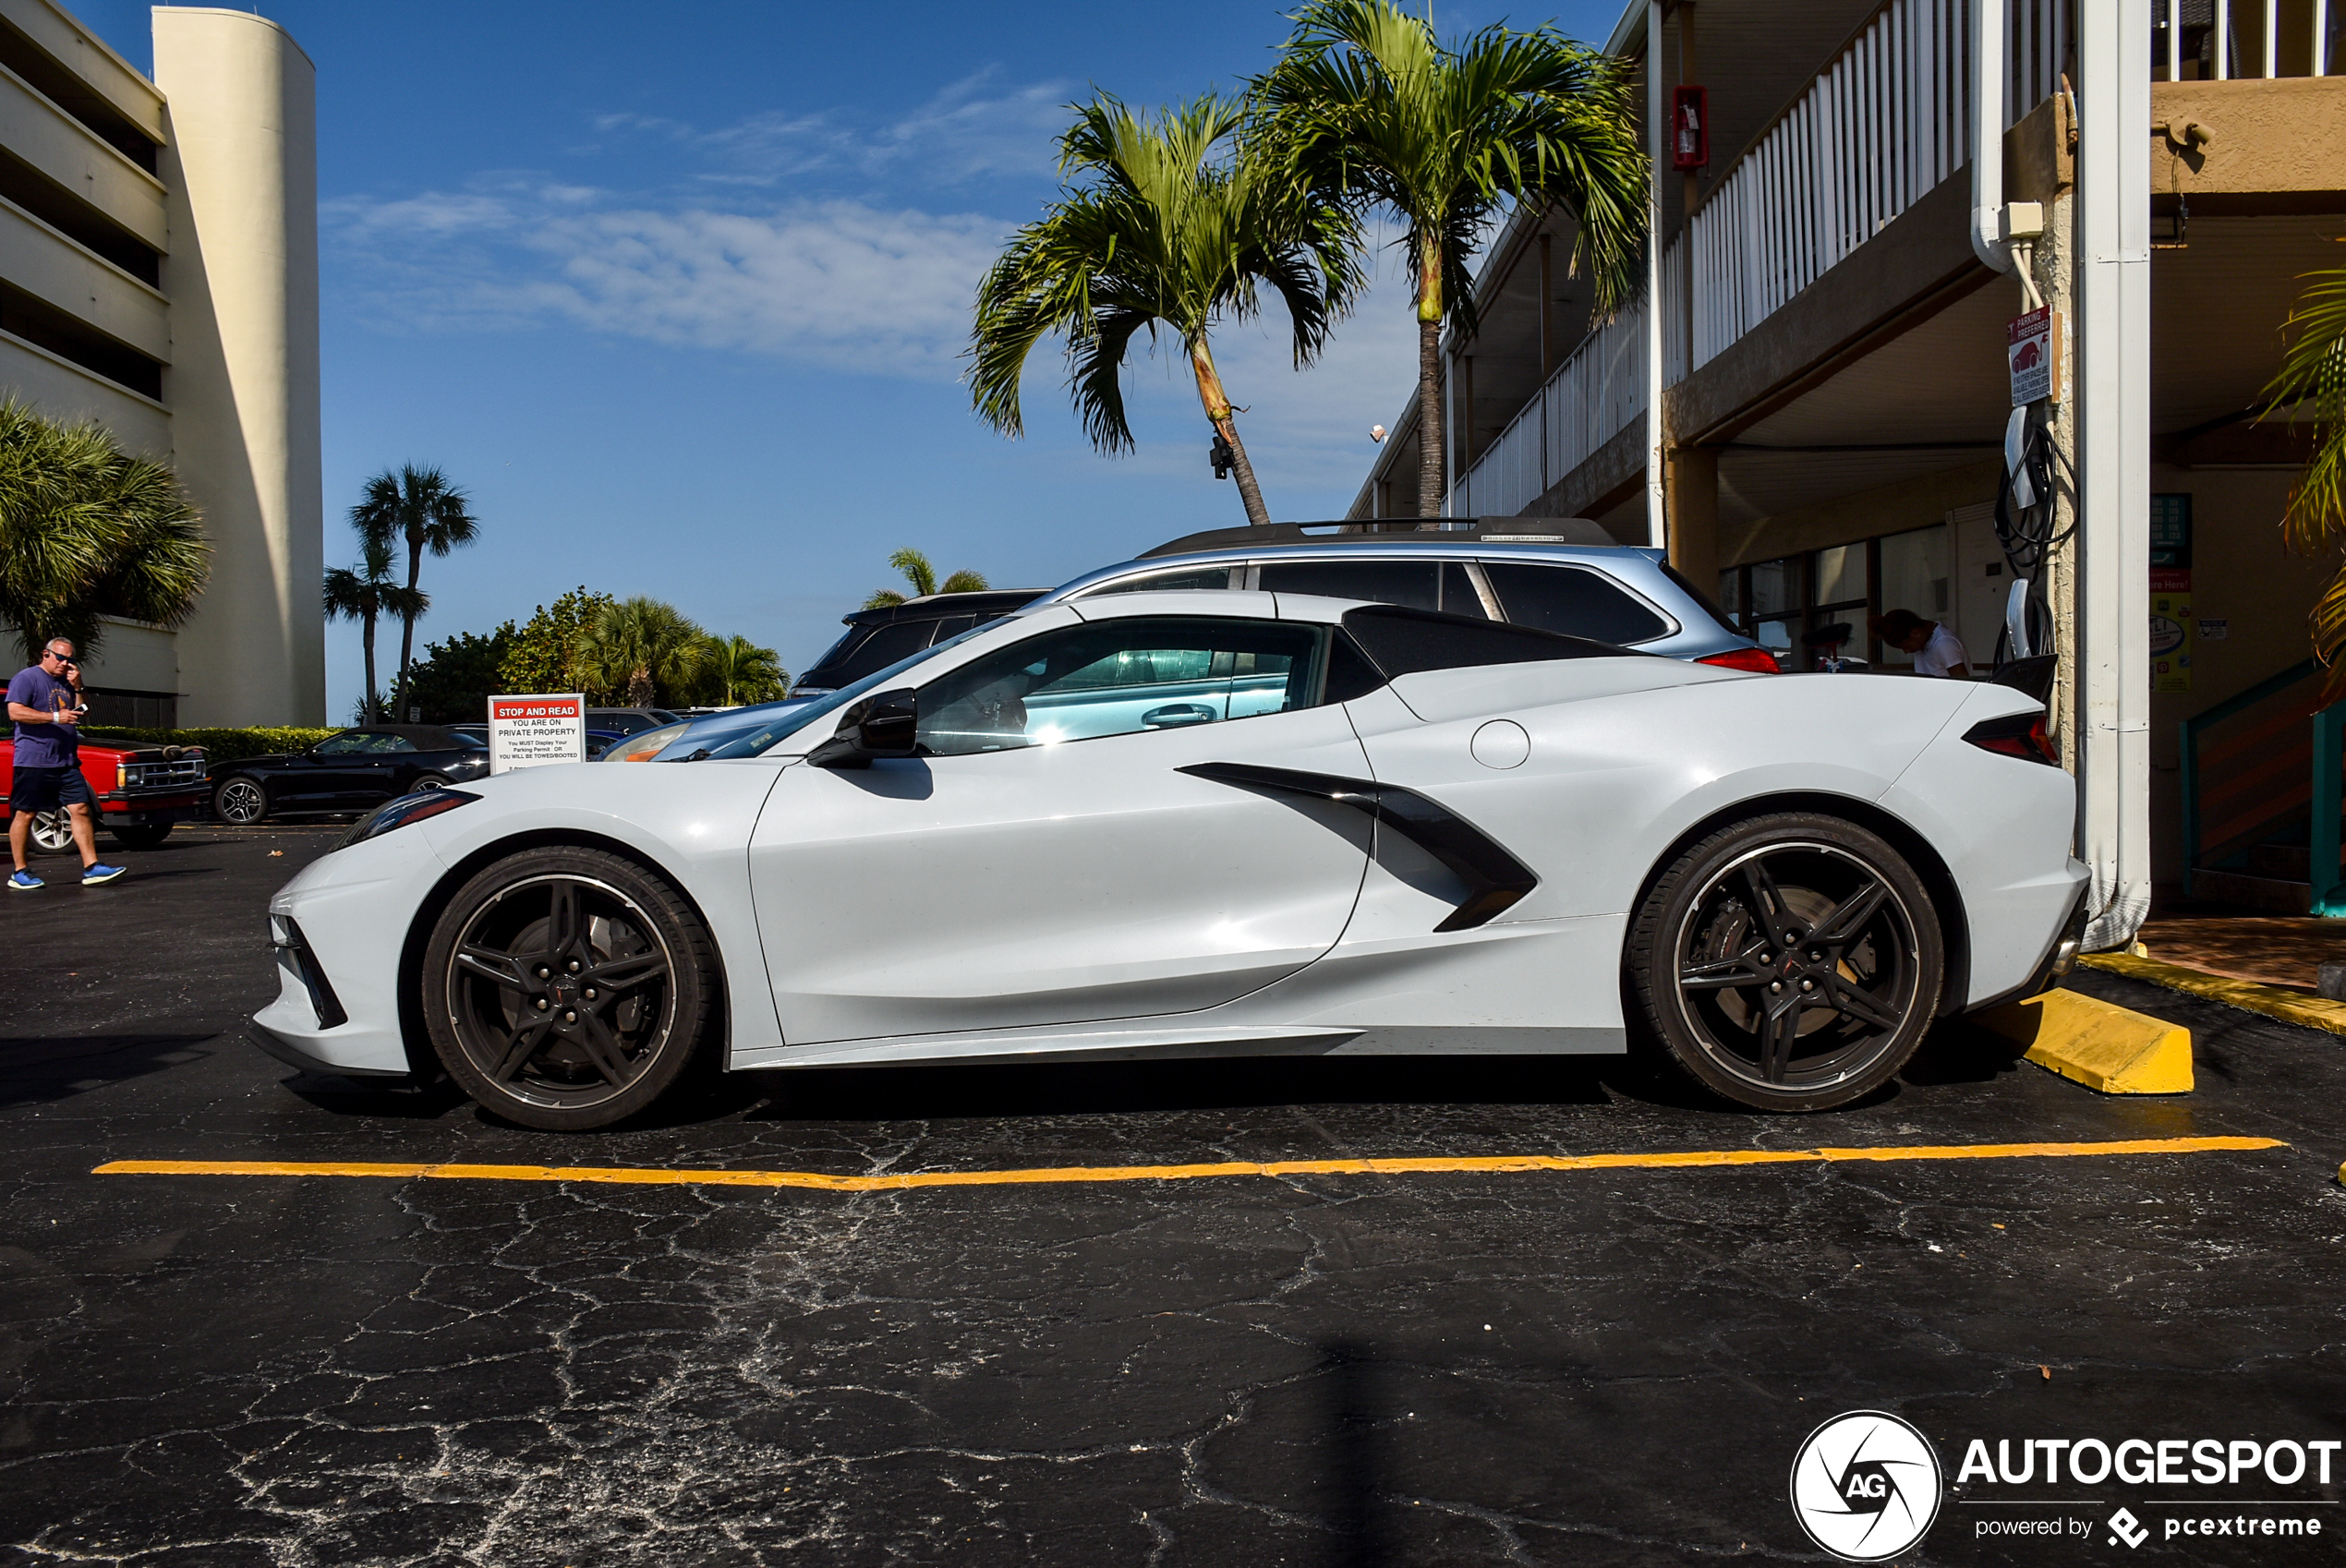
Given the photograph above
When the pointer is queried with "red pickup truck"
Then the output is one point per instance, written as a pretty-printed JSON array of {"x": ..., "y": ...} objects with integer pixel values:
[{"x": 141, "y": 792}]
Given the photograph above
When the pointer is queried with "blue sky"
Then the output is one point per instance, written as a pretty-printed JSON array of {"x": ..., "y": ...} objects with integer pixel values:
[{"x": 678, "y": 290}]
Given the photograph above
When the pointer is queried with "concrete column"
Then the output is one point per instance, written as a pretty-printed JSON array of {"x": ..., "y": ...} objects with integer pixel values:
[
  {"x": 241, "y": 168},
  {"x": 2113, "y": 385},
  {"x": 1694, "y": 515}
]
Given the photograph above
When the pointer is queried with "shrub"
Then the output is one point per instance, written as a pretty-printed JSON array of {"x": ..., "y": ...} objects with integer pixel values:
[{"x": 219, "y": 745}]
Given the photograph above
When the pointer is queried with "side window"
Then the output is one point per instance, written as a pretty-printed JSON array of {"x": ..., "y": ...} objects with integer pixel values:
[
  {"x": 381, "y": 746},
  {"x": 886, "y": 643},
  {"x": 951, "y": 626},
  {"x": 1119, "y": 678},
  {"x": 1415, "y": 584},
  {"x": 1402, "y": 642},
  {"x": 1165, "y": 582},
  {"x": 349, "y": 743},
  {"x": 1572, "y": 600},
  {"x": 1459, "y": 597}
]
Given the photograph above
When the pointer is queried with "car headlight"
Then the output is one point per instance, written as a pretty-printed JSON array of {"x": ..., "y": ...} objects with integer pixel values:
[
  {"x": 645, "y": 746},
  {"x": 403, "y": 811}
]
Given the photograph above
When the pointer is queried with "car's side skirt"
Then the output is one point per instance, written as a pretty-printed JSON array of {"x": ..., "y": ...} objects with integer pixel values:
[{"x": 1101, "y": 1044}]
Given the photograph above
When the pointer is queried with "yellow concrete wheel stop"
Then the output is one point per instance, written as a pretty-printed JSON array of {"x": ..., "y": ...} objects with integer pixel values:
[{"x": 2098, "y": 1043}]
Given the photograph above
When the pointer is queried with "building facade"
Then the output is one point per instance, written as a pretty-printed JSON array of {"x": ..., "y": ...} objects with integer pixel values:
[
  {"x": 1838, "y": 291},
  {"x": 159, "y": 275}
]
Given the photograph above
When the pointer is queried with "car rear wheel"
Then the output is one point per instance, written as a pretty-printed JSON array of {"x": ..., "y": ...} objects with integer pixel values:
[
  {"x": 240, "y": 802},
  {"x": 1792, "y": 963},
  {"x": 567, "y": 989},
  {"x": 427, "y": 781},
  {"x": 52, "y": 831},
  {"x": 140, "y": 836}
]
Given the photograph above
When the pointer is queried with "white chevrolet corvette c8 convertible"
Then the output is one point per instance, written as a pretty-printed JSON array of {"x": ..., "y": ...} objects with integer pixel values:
[{"x": 1189, "y": 824}]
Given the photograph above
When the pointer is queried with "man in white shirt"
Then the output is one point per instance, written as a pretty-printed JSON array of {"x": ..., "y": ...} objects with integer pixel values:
[{"x": 1937, "y": 650}]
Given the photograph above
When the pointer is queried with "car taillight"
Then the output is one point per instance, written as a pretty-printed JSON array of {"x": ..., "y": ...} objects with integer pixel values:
[
  {"x": 1760, "y": 661},
  {"x": 2021, "y": 735}
]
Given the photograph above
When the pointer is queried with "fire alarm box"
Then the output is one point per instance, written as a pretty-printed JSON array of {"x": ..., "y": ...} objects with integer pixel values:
[{"x": 1690, "y": 127}]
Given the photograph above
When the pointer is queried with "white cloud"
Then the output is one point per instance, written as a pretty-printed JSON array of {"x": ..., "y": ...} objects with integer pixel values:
[
  {"x": 975, "y": 126},
  {"x": 841, "y": 282}
]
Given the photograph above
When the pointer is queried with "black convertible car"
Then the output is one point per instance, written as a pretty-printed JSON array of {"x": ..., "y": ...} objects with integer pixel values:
[{"x": 351, "y": 771}]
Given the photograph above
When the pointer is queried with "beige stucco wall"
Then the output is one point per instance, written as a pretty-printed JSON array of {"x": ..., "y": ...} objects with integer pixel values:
[{"x": 242, "y": 277}]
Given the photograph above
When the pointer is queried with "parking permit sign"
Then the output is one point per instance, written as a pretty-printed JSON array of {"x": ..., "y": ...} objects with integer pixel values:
[
  {"x": 531, "y": 732},
  {"x": 2032, "y": 349}
]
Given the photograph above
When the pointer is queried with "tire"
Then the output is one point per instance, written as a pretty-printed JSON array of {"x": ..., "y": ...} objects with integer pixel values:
[
  {"x": 52, "y": 831},
  {"x": 510, "y": 998},
  {"x": 240, "y": 802},
  {"x": 1792, "y": 963},
  {"x": 427, "y": 781},
  {"x": 144, "y": 835}
]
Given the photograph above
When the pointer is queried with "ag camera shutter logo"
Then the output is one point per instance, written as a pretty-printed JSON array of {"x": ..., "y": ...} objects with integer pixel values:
[{"x": 1866, "y": 1486}]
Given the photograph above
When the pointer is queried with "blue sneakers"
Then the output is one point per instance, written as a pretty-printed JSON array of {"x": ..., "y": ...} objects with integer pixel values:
[
  {"x": 25, "y": 882},
  {"x": 93, "y": 874}
]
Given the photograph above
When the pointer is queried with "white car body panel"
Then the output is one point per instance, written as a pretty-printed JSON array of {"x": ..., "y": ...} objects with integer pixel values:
[
  {"x": 1090, "y": 899},
  {"x": 1113, "y": 887}
]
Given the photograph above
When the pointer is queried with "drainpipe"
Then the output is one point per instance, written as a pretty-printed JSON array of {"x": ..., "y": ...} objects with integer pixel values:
[
  {"x": 1990, "y": 66},
  {"x": 1654, "y": 117},
  {"x": 2113, "y": 391}
]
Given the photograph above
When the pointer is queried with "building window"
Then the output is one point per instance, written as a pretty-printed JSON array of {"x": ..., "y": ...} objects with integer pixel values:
[{"x": 1913, "y": 576}]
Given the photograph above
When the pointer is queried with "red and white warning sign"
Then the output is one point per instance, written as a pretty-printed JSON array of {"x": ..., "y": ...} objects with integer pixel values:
[
  {"x": 535, "y": 730},
  {"x": 2033, "y": 351}
]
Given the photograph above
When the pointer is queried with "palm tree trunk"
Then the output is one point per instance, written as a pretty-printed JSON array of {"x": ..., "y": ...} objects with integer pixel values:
[
  {"x": 1430, "y": 433},
  {"x": 639, "y": 687},
  {"x": 1218, "y": 413},
  {"x": 407, "y": 629},
  {"x": 373, "y": 708}
]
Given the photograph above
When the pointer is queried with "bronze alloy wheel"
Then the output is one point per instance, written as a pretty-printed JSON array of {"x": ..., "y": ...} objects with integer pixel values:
[
  {"x": 567, "y": 988},
  {"x": 1792, "y": 963}
]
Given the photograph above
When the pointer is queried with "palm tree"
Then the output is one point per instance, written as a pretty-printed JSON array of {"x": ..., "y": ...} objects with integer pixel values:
[
  {"x": 642, "y": 646},
  {"x": 2313, "y": 382},
  {"x": 736, "y": 670},
  {"x": 366, "y": 595},
  {"x": 419, "y": 506},
  {"x": 923, "y": 577},
  {"x": 1368, "y": 102},
  {"x": 1173, "y": 225},
  {"x": 87, "y": 530}
]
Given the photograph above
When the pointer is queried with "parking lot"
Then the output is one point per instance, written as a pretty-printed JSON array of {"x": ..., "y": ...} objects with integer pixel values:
[{"x": 1484, "y": 1359}]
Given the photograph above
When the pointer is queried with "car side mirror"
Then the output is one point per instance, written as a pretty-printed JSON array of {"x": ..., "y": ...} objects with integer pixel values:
[{"x": 884, "y": 724}]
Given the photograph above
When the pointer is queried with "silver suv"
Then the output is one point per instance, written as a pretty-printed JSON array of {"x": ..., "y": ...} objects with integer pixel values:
[{"x": 1558, "y": 574}]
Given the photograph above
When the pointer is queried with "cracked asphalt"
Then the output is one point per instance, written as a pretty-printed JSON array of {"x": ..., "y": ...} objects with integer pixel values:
[{"x": 1584, "y": 1367}]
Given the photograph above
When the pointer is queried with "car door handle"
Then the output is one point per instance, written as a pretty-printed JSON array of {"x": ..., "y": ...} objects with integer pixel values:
[{"x": 1176, "y": 715}]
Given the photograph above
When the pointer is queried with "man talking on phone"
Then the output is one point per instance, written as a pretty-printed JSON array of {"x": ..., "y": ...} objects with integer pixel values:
[{"x": 44, "y": 702}]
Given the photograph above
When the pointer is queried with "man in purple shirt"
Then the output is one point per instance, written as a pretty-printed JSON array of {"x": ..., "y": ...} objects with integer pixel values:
[{"x": 44, "y": 701}]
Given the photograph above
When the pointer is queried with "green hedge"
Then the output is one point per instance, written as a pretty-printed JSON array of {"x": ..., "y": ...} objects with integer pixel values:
[{"x": 220, "y": 746}]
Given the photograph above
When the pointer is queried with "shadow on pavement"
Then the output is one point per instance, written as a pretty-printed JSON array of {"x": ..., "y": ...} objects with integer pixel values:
[{"x": 40, "y": 1072}]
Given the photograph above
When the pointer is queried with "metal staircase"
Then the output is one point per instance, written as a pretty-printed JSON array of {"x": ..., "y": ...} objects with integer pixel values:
[{"x": 2255, "y": 767}]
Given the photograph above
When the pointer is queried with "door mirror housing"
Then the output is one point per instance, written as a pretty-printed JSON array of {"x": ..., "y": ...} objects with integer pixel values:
[{"x": 884, "y": 724}]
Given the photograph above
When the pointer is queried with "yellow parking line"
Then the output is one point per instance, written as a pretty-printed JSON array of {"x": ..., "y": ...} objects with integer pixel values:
[{"x": 1430, "y": 1165}]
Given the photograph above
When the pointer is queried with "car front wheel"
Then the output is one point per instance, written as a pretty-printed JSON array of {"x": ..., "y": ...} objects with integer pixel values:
[
  {"x": 566, "y": 989},
  {"x": 1792, "y": 963},
  {"x": 240, "y": 802},
  {"x": 52, "y": 831}
]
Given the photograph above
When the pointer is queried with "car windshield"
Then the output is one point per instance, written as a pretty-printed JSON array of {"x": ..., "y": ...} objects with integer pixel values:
[{"x": 762, "y": 740}]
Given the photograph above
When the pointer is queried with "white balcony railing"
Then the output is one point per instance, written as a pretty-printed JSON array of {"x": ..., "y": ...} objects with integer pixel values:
[
  {"x": 2236, "y": 38},
  {"x": 1883, "y": 125},
  {"x": 1593, "y": 395},
  {"x": 1879, "y": 129}
]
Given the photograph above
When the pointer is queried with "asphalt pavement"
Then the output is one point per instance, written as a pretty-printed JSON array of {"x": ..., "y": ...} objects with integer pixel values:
[{"x": 1585, "y": 1364}]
